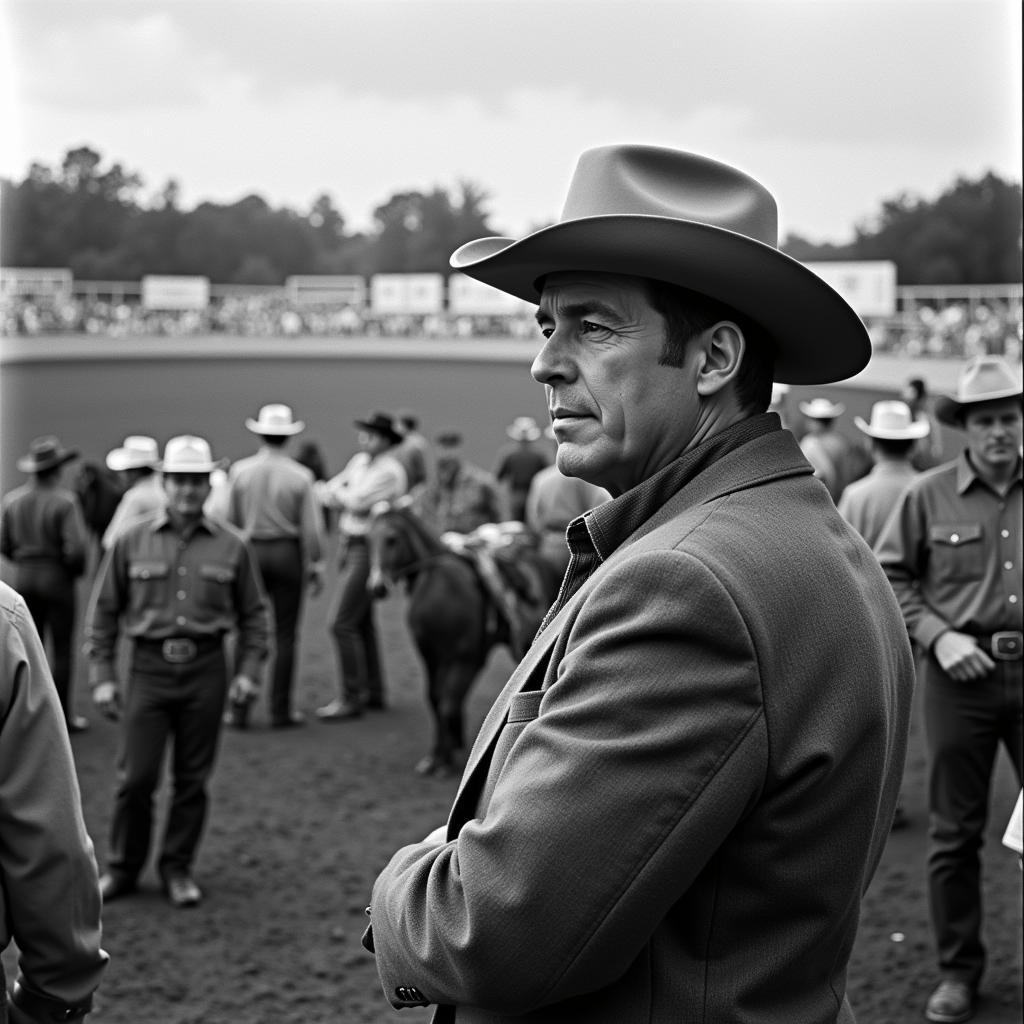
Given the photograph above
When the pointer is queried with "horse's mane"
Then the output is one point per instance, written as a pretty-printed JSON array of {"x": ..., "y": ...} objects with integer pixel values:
[{"x": 426, "y": 540}]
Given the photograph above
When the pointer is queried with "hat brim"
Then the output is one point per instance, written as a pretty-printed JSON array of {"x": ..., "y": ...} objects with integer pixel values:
[
  {"x": 914, "y": 432},
  {"x": 28, "y": 464},
  {"x": 281, "y": 431},
  {"x": 950, "y": 411},
  {"x": 173, "y": 469},
  {"x": 819, "y": 339}
]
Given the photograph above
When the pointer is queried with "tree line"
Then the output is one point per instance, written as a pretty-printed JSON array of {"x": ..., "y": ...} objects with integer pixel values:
[{"x": 97, "y": 221}]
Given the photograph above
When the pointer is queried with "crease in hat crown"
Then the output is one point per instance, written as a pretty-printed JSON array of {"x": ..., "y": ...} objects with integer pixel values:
[
  {"x": 689, "y": 220},
  {"x": 275, "y": 419},
  {"x": 188, "y": 454}
]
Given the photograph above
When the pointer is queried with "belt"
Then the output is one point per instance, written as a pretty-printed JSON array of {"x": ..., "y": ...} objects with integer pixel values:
[
  {"x": 181, "y": 650},
  {"x": 1005, "y": 645}
]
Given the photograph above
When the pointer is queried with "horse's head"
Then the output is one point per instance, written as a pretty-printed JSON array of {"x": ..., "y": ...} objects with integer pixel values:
[{"x": 394, "y": 546}]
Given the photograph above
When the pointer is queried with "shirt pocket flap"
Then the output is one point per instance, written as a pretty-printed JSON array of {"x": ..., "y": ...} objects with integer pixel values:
[
  {"x": 954, "y": 534},
  {"x": 148, "y": 570},
  {"x": 524, "y": 707},
  {"x": 217, "y": 573}
]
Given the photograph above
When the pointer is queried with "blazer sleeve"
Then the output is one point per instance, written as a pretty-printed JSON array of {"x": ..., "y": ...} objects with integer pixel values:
[{"x": 646, "y": 750}]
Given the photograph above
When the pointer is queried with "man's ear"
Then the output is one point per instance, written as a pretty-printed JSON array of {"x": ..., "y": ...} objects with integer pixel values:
[{"x": 722, "y": 348}]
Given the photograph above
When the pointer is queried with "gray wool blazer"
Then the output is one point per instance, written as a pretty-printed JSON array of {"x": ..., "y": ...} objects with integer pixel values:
[{"x": 674, "y": 807}]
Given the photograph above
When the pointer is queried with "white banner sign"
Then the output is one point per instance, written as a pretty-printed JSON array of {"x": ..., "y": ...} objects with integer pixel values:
[
  {"x": 869, "y": 286},
  {"x": 335, "y": 289},
  {"x": 166, "y": 292},
  {"x": 407, "y": 293}
]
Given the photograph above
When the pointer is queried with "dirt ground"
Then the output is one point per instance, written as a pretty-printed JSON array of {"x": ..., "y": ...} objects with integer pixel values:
[{"x": 303, "y": 819}]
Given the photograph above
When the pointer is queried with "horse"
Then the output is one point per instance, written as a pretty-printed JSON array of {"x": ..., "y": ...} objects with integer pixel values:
[{"x": 451, "y": 615}]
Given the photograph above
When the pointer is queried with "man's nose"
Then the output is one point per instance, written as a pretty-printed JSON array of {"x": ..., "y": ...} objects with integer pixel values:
[{"x": 551, "y": 362}]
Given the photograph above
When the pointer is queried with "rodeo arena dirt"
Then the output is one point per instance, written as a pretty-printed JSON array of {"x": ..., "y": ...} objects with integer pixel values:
[{"x": 302, "y": 820}]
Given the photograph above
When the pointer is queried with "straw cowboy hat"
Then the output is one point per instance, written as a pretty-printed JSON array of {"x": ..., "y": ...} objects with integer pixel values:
[
  {"x": 694, "y": 222},
  {"x": 138, "y": 451},
  {"x": 984, "y": 379},
  {"x": 45, "y": 453},
  {"x": 188, "y": 454},
  {"x": 822, "y": 409},
  {"x": 893, "y": 421},
  {"x": 275, "y": 421},
  {"x": 523, "y": 428},
  {"x": 382, "y": 423}
]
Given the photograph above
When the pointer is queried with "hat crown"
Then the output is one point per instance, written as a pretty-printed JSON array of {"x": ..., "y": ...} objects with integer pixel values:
[
  {"x": 891, "y": 416},
  {"x": 822, "y": 409},
  {"x": 44, "y": 447},
  {"x": 187, "y": 454},
  {"x": 986, "y": 376},
  {"x": 275, "y": 416},
  {"x": 140, "y": 444},
  {"x": 653, "y": 181}
]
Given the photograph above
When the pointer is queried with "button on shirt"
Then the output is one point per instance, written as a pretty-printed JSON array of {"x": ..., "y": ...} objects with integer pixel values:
[
  {"x": 165, "y": 584},
  {"x": 953, "y": 550},
  {"x": 359, "y": 486},
  {"x": 271, "y": 498}
]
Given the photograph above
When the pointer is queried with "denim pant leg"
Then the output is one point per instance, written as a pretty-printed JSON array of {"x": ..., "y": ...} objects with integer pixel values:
[
  {"x": 280, "y": 563},
  {"x": 196, "y": 715},
  {"x": 353, "y": 611}
]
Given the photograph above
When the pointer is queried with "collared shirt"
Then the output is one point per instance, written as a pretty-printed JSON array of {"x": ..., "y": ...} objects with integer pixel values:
[
  {"x": 469, "y": 501},
  {"x": 596, "y": 534},
  {"x": 271, "y": 497},
  {"x": 42, "y": 522},
  {"x": 49, "y": 892},
  {"x": 359, "y": 486},
  {"x": 867, "y": 503},
  {"x": 163, "y": 584},
  {"x": 144, "y": 497},
  {"x": 952, "y": 552}
]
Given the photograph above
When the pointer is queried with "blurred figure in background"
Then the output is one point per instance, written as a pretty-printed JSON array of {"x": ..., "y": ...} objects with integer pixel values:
[
  {"x": 373, "y": 474},
  {"x": 928, "y": 451},
  {"x": 42, "y": 532},
  {"x": 461, "y": 496},
  {"x": 413, "y": 451},
  {"x": 136, "y": 461},
  {"x": 833, "y": 457},
  {"x": 518, "y": 462},
  {"x": 311, "y": 455},
  {"x": 952, "y": 550},
  {"x": 49, "y": 893},
  {"x": 270, "y": 499}
]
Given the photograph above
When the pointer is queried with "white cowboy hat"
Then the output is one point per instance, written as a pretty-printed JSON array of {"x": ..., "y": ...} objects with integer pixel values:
[
  {"x": 893, "y": 421},
  {"x": 523, "y": 428},
  {"x": 694, "y": 222},
  {"x": 984, "y": 379},
  {"x": 138, "y": 451},
  {"x": 274, "y": 421},
  {"x": 188, "y": 454},
  {"x": 822, "y": 409}
]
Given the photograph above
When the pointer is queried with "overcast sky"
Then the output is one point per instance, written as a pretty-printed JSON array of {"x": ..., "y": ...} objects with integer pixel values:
[{"x": 833, "y": 104}]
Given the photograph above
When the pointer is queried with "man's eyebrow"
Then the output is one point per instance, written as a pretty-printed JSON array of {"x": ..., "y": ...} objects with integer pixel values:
[{"x": 592, "y": 307}]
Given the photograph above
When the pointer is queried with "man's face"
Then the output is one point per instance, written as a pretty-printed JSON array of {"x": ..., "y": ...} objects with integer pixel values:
[
  {"x": 372, "y": 443},
  {"x": 995, "y": 431},
  {"x": 618, "y": 415},
  {"x": 186, "y": 493},
  {"x": 448, "y": 462}
]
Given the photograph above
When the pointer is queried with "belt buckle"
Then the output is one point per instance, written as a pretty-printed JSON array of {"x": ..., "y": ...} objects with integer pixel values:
[
  {"x": 179, "y": 650},
  {"x": 1008, "y": 645}
]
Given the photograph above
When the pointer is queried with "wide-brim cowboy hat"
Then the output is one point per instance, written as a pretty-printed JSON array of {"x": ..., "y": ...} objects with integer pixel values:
[
  {"x": 822, "y": 409},
  {"x": 275, "y": 421},
  {"x": 523, "y": 428},
  {"x": 382, "y": 423},
  {"x": 188, "y": 454},
  {"x": 45, "y": 453},
  {"x": 138, "y": 452},
  {"x": 984, "y": 379},
  {"x": 694, "y": 222},
  {"x": 892, "y": 421}
]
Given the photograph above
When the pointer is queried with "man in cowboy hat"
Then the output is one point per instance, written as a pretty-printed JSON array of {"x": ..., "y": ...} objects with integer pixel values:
[
  {"x": 673, "y": 809},
  {"x": 43, "y": 533},
  {"x": 373, "y": 474},
  {"x": 270, "y": 499},
  {"x": 136, "y": 460},
  {"x": 833, "y": 457},
  {"x": 518, "y": 462},
  {"x": 952, "y": 551},
  {"x": 176, "y": 583}
]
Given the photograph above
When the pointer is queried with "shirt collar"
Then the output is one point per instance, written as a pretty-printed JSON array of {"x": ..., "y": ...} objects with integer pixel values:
[
  {"x": 163, "y": 522},
  {"x": 603, "y": 529},
  {"x": 967, "y": 475}
]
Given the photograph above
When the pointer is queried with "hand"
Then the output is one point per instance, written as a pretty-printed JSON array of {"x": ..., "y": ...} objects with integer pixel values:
[
  {"x": 242, "y": 690},
  {"x": 316, "y": 580},
  {"x": 107, "y": 700},
  {"x": 960, "y": 657}
]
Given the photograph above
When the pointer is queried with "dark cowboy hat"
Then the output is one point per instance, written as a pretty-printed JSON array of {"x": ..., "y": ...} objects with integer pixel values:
[
  {"x": 45, "y": 453},
  {"x": 984, "y": 379},
  {"x": 694, "y": 222},
  {"x": 382, "y": 423}
]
